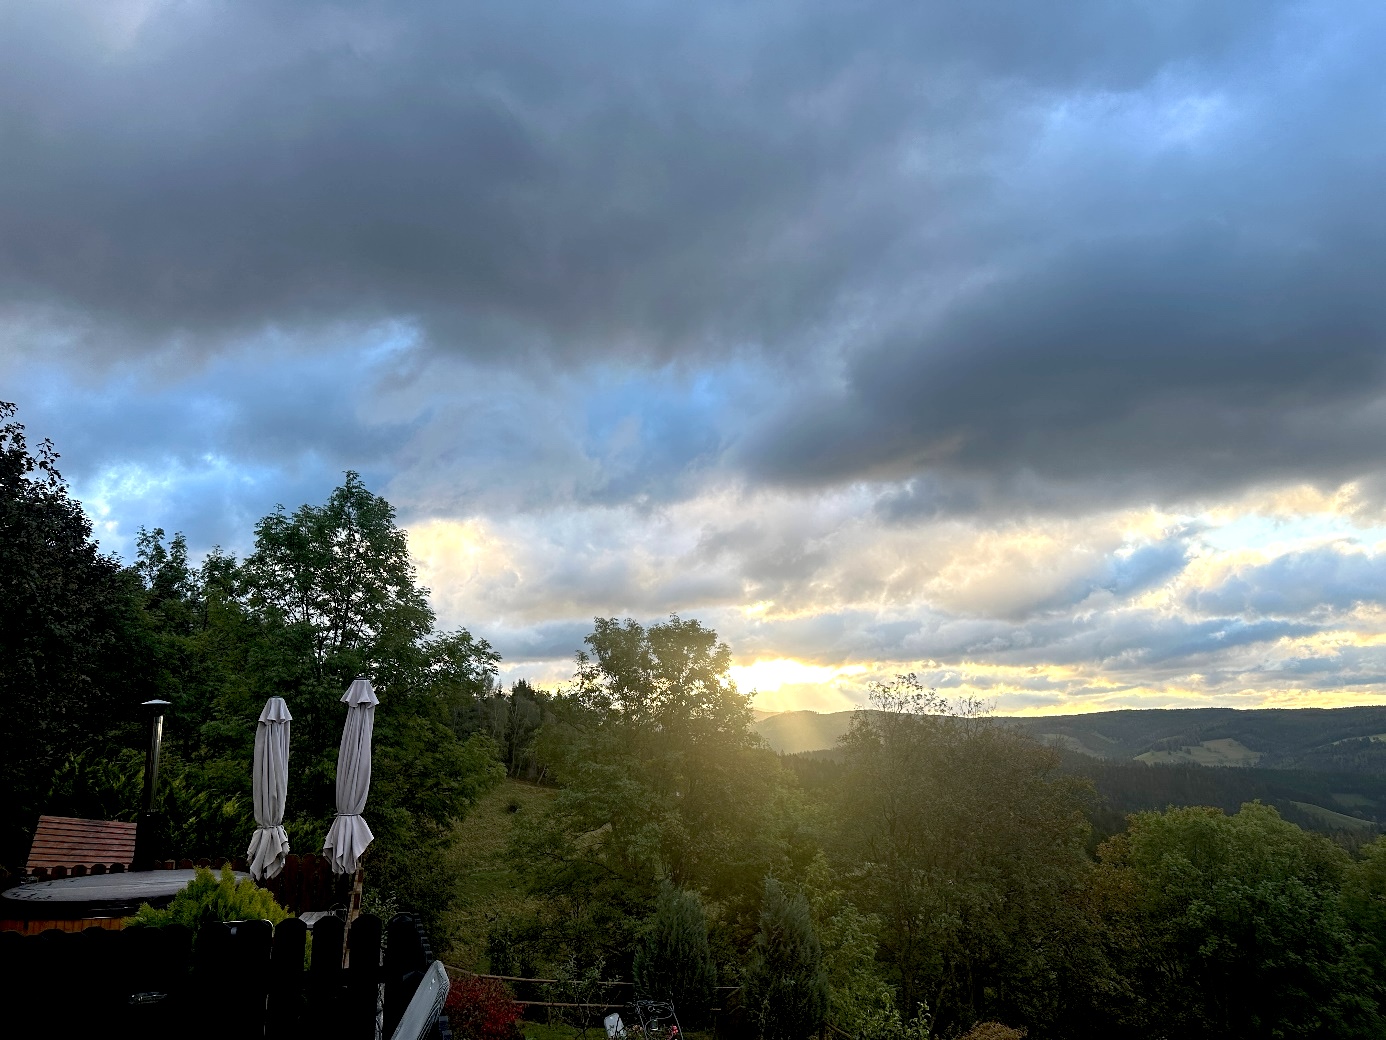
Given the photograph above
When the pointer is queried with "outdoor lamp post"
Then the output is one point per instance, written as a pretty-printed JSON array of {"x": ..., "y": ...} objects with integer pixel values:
[{"x": 149, "y": 832}]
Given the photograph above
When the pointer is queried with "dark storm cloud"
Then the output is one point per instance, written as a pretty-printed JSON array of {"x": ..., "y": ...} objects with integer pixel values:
[{"x": 994, "y": 252}]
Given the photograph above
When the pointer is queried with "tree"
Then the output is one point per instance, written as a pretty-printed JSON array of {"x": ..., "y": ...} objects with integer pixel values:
[
  {"x": 331, "y": 592},
  {"x": 786, "y": 990},
  {"x": 965, "y": 838},
  {"x": 73, "y": 666},
  {"x": 1235, "y": 927},
  {"x": 858, "y": 996},
  {"x": 674, "y": 962},
  {"x": 662, "y": 778},
  {"x": 339, "y": 577}
]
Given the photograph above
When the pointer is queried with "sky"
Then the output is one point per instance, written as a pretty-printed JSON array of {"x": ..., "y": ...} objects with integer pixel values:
[{"x": 1036, "y": 349}]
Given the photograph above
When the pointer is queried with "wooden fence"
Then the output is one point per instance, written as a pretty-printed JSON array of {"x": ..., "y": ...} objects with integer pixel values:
[
  {"x": 526, "y": 988},
  {"x": 242, "y": 979}
]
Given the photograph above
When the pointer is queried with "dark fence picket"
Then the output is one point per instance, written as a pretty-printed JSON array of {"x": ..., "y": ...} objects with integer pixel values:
[
  {"x": 304, "y": 891},
  {"x": 16, "y": 968},
  {"x": 106, "y": 969},
  {"x": 363, "y": 977},
  {"x": 54, "y": 953},
  {"x": 407, "y": 956},
  {"x": 282, "y": 884},
  {"x": 231, "y": 975},
  {"x": 154, "y": 980},
  {"x": 326, "y": 979},
  {"x": 287, "y": 1003}
]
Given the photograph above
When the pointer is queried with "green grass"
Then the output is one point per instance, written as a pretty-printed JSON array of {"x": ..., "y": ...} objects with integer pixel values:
[
  {"x": 1223, "y": 752},
  {"x": 1330, "y": 818},
  {"x": 489, "y": 885},
  {"x": 1349, "y": 800}
]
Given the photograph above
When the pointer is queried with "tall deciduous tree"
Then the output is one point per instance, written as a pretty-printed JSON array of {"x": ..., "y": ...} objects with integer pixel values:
[
  {"x": 339, "y": 575},
  {"x": 333, "y": 592},
  {"x": 72, "y": 661},
  {"x": 969, "y": 843},
  {"x": 662, "y": 779}
]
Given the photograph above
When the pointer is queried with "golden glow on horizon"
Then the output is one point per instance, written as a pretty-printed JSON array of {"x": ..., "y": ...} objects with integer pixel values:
[
  {"x": 767, "y": 676},
  {"x": 949, "y": 584}
]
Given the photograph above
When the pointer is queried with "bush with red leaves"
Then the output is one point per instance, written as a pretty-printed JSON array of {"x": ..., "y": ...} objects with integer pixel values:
[{"x": 482, "y": 1009}]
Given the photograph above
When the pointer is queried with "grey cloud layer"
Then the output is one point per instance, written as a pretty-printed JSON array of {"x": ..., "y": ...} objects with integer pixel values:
[
  {"x": 1001, "y": 252},
  {"x": 1326, "y": 581},
  {"x": 906, "y": 265}
]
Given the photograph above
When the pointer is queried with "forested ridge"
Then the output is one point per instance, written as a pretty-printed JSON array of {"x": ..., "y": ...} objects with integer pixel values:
[{"x": 941, "y": 870}]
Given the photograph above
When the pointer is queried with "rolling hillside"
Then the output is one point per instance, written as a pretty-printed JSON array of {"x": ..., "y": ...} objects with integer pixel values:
[
  {"x": 1323, "y": 768},
  {"x": 1343, "y": 740}
]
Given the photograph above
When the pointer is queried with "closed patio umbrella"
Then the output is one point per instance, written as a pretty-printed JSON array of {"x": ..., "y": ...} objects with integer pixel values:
[
  {"x": 269, "y": 844},
  {"x": 348, "y": 836}
]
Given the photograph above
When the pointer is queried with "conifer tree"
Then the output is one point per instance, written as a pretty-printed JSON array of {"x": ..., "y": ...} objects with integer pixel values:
[
  {"x": 675, "y": 961},
  {"x": 786, "y": 987}
]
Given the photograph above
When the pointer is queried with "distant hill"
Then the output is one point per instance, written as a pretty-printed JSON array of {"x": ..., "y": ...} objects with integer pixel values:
[
  {"x": 1340, "y": 740},
  {"x": 792, "y": 732},
  {"x": 1323, "y": 768}
]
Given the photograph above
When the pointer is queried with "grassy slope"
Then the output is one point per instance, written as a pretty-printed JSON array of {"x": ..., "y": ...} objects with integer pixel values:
[
  {"x": 1226, "y": 752},
  {"x": 1331, "y": 820},
  {"x": 489, "y": 885}
]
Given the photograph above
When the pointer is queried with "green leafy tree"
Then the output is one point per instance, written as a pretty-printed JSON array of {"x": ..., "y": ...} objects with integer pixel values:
[
  {"x": 339, "y": 575},
  {"x": 969, "y": 843},
  {"x": 662, "y": 778},
  {"x": 860, "y": 1002},
  {"x": 674, "y": 961},
  {"x": 1364, "y": 903},
  {"x": 1235, "y": 927},
  {"x": 786, "y": 988},
  {"x": 330, "y": 592},
  {"x": 73, "y": 651}
]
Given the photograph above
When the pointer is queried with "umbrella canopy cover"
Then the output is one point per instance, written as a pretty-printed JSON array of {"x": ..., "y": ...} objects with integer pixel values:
[
  {"x": 269, "y": 844},
  {"x": 349, "y": 835}
]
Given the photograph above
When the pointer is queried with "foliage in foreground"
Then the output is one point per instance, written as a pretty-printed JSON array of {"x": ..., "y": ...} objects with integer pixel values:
[
  {"x": 674, "y": 961},
  {"x": 1234, "y": 925},
  {"x": 786, "y": 990},
  {"x": 482, "y": 1009},
  {"x": 211, "y": 898}
]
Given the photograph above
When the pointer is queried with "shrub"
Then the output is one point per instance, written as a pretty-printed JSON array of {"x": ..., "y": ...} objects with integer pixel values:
[
  {"x": 209, "y": 898},
  {"x": 993, "y": 1031},
  {"x": 885, "y": 1023},
  {"x": 786, "y": 990},
  {"x": 482, "y": 1009},
  {"x": 674, "y": 962}
]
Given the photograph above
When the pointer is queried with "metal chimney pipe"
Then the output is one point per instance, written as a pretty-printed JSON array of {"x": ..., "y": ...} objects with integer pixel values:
[
  {"x": 151, "y": 759},
  {"x": 150, "y": 829}
]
